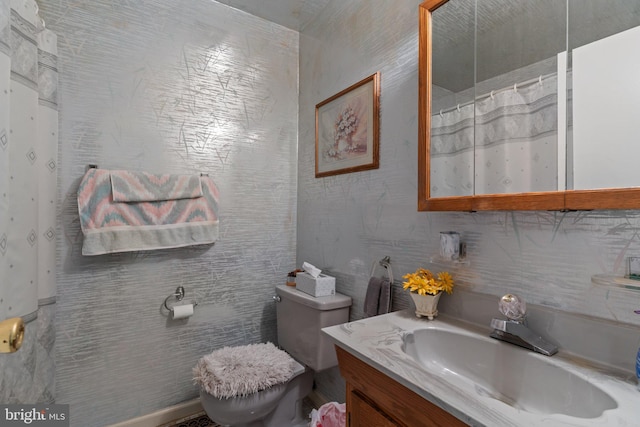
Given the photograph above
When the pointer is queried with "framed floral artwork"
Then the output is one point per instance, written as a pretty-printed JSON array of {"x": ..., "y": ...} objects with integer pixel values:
[{"x": 348, "y": 129}]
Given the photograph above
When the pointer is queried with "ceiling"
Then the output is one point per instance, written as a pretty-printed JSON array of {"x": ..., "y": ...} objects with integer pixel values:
[
  {"x": 293, "y": 14},
  {"x": 511, "y": 33}
]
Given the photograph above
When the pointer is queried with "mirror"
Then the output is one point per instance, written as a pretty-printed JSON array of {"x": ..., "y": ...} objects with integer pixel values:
[
  {"x": 511, "y": 104},
  {"x": 604, "y": 41},
  {"x": 452, "y": 98}
]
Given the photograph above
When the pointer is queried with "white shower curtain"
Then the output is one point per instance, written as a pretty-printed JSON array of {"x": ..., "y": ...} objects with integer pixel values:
[
  {"x": 452, "y": 139},
  {"x": 505, "y": 143},
  {"x": 28, "y": 160},
  {"x": 516, "y": 143}
]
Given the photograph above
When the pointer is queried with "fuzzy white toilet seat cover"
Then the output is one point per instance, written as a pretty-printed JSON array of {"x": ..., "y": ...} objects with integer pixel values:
[{"x": 243, "y": 370}]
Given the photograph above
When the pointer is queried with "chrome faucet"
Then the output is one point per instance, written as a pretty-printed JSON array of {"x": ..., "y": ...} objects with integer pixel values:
[{"x": 515, "y": 331}]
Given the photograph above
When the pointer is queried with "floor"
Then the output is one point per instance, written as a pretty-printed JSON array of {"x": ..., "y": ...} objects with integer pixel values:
[
  {"x": 196, "y": 420},
  {"x": 201, "y": 420}
]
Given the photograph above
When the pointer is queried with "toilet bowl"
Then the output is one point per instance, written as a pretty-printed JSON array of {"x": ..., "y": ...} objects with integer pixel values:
[
  {"x": 300, "y": 318},
  {"x": 277, "y": 406}
]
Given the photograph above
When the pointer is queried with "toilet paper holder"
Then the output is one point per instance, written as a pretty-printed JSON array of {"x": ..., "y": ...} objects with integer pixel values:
[{"x": 178, "y": 295}]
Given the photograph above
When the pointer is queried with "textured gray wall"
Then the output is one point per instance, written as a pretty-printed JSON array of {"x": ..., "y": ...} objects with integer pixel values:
[
  {"x": 128, "y": 99},
  {"x": 178, "y": 87},
  {"x": 346, "y": 222}
]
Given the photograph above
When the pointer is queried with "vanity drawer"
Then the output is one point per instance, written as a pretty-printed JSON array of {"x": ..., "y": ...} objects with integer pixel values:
[{"x": 376, "y": 400}]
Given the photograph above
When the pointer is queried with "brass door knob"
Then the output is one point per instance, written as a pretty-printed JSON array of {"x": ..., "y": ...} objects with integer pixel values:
[{"x": 11, "y": 334}]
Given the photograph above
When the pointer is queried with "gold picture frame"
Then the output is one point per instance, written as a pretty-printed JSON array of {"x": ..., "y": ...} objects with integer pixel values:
[{"x": 348, "y": 129}]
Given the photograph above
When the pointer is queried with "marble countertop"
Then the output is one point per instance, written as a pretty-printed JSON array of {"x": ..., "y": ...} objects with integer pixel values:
[{"x": 378, "y": 342}]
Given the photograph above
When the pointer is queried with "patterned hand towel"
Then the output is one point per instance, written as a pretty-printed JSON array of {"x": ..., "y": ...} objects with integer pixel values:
[
  {"x": 146, "y": 187},
  {"x": 110, "y": 226}
]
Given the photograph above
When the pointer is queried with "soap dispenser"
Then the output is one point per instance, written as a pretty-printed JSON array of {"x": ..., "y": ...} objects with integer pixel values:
[
  {"x": 638, "y": 360},
  {"x": 638, "y": 368}
]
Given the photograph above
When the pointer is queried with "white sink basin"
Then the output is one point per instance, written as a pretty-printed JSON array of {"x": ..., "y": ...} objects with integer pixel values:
[{"x": 519, "y": 378}]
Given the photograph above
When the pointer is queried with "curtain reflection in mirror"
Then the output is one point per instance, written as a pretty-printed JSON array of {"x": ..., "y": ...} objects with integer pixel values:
[
  {"x": 452, "y": 136},
  {"x": 516, "y": 139}
]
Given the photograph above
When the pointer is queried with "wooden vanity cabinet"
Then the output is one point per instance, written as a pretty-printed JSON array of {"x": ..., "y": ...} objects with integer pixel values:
[{"x": 376, "y": 400}]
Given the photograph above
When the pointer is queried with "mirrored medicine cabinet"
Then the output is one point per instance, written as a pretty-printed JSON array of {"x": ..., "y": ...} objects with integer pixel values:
[{"x": 529, "y": 105}]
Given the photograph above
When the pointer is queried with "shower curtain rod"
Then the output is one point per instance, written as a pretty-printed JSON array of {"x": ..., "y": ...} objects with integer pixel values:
[{"x": 491, "y": 94}]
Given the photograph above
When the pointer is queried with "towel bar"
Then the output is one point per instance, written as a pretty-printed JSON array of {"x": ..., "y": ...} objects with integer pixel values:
[
  {"x": 386, "y": 263},
  {"x": 95, "y": 166}
]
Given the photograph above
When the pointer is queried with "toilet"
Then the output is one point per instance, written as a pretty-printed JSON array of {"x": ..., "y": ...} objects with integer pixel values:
[{"x": 300, "y": 318}]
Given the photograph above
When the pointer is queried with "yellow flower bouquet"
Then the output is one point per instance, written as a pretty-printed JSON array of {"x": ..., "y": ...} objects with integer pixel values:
[
  {"x": 426, "y": 290},
  {"x": 423, "y": 282}
]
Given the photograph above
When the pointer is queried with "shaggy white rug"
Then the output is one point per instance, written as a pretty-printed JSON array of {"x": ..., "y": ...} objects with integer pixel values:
[{"x": 243, "y": 370}]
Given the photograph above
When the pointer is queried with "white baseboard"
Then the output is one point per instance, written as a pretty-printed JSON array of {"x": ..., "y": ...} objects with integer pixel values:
[
  {"x": 190, "y": 407},
  {"x": 165, "y": 415}
]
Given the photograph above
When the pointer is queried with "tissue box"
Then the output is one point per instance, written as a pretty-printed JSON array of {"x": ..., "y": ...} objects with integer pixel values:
[{"x": 320, "y": 286}]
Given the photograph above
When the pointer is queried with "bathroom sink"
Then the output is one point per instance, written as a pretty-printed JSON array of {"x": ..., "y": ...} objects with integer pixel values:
[{"x": 517, "y": 377}]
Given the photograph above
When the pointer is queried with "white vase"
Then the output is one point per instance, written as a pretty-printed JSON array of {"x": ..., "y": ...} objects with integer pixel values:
[{"x": 426, "y": 305}]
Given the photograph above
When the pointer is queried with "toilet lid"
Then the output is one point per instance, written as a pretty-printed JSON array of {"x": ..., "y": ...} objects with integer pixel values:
[
  {"x": 243, "y": 370},
  {"x": 329, "y": 302}
]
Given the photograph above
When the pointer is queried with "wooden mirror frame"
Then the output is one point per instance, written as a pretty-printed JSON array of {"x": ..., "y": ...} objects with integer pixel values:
[{"x": 608, "y": 198}]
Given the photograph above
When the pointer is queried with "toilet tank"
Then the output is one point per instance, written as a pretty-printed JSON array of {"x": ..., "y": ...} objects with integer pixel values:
[{"x": 300, "y": 320}]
